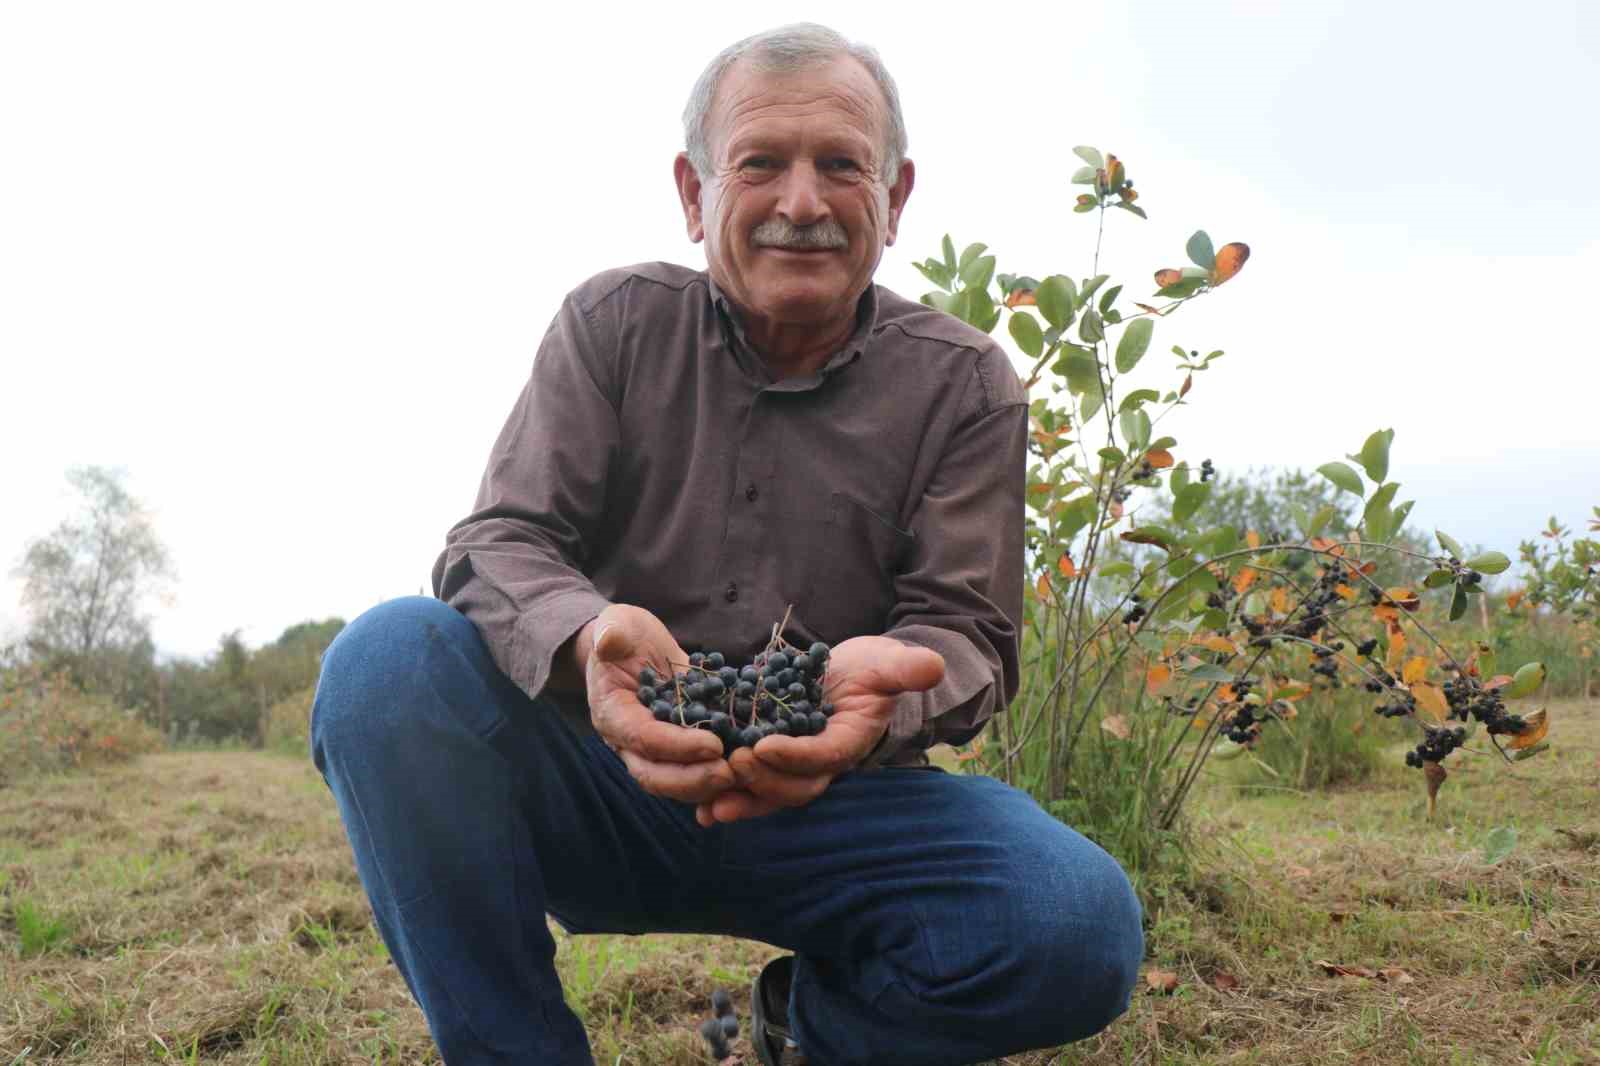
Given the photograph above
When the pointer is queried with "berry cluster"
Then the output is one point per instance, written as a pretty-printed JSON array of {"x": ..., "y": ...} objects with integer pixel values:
[
  {"x": 780, "y": 692},
  {"x": 1470, "y": 701},
  {"x": 1244, "y": 724},
  {"x": 1436, "y": 745},
  {"x": 1136, "y": 611},
  {"x": 1207, "y": 471},
  {"x": 1323, "y": 663},
  {"x": 722, "y": 1026}
]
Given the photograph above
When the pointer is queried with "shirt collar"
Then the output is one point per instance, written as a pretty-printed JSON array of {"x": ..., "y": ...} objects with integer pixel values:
[{"x": 866, "y": 321}]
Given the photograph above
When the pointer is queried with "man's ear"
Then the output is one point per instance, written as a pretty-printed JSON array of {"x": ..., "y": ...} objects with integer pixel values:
[
  {"x": 689, "y": 186},
  {"x": 898, "y": 195}
]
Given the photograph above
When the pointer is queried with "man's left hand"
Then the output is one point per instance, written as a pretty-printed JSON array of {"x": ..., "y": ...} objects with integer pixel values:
[{"x": 864, "y": 676}]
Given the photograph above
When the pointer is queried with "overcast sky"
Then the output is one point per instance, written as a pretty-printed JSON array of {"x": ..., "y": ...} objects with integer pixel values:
[{"x": 288, "y": 264}]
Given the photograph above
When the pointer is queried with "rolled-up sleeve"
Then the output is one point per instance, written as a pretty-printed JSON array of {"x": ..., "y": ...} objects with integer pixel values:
[
  {"x": 961, "y": 593},
  {"x": 514, "y": 566}
]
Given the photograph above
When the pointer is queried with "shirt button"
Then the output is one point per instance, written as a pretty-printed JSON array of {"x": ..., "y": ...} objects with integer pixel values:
[
  {"x": 731, "y": 593},
  {"x": 750, "y": 492}
]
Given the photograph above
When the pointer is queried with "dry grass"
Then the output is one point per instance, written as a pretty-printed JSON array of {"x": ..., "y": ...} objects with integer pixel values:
[{"x": 202, "y": 907}]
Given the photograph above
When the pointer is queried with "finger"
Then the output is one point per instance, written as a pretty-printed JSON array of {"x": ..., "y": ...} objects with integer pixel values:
[
  {"x": 845, "y": 743},
  {"x": 627, "y": 724},
  {"x": 737, "y": 805},
  {"x": 765, "y": 782},
  {"x": 697, "y": 783},
  {"x": 614, "y": 641}
]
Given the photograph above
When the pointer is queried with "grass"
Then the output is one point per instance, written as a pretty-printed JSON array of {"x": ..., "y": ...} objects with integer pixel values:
[{"x": 203, "y": 907}]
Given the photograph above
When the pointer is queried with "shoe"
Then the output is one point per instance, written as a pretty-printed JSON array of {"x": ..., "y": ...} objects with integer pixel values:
[{"x": 769, "y": 1015}]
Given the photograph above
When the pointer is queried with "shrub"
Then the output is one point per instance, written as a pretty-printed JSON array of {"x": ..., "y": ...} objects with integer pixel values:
[
  {"x": 48, "y": 724},
  {"x": 288, "y": 723}
]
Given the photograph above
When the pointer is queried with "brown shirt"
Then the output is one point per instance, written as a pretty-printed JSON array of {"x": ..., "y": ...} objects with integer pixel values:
[{"x": 652, "y": 460}]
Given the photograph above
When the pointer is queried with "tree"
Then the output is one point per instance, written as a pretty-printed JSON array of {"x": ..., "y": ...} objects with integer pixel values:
[{"x": 86, "y": 582}]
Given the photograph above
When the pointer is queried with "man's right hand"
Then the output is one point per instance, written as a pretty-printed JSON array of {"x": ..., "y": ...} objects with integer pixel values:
[{"x": 667, "y": 760}]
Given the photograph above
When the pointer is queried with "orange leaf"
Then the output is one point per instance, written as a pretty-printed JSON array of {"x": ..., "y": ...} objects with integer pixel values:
[
  {"x": 1280, "y": 600},
  {"x": 1159, "y": 458},
  {"x": 1116, "y": 725},
  {"x": 1514, "y": 598},
  {"x": 1368, "y": 569},
  {"x": 1157, "y": 676},
  {"x": 1162, "y": 981},
  {"x": 1397, "y": 651},
  {"x": 1385, "y": 612},
  {"x": 1403, "y": 598},
  {"x": 1066, "y": 567},
  {"x": 1431, "y": 699},
  {"x": 1224, "y": 981},
  {"x": 1497, "y": 681},
  {"x": 1534, "y": 727},
  {"x": 1253, "y": 539},
  {"x": 1415, "y": 670},
  {"x": 1042, "y": 587},
  {"x": 1021, "y": 298},
  {"x": 1323, "y": 544},
  {"x": 1345, "y": 592},
  {"x": 1168, "y": 276},
  {"x": 1230, "y": 260},
  {"x": 1039, "y": 488},
  {"x": 1244, "y": 579},
  {"x": 1334, "y": 969}
]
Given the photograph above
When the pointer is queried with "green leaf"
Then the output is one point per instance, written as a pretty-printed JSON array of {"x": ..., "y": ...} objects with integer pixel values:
[
  {"x": 1119, "y": 568},
  {"x": 1224, "y": 539},
  {"x": 1498, "y": 844},
  {"x": 1132, "y": 209},
  {"x": 1083, "y": 176},
  {"x": 949, "y": 250},
  {"x": 1200, "y": 251},
  {"x": 1320, "y": 520},
  {"x": 1188, "y": 500},
  {"x": 1057, "y": 298},
  {"x": 1158, "y": 535},
  {"x": 1374, "y": 457},
  {"x": 1178, "y": 478},
  {"x": 1137, "y": 397},
  {"x": 1135, "y": 429},
  {"x": 1026, "y": 332},
  {"x": 1089, "y": 155},
  {"x": 1343, "y": 476},
  {"x": 1525, "y": 681},
  {"x": 1377, "y": 519},
  {"x": 1448, "y": 543},
  {"x": 1164, "y": 442},
  {"x": 1112, "y": 456},
  {"x": 1458, "y": 603},
  {"x": 1528, "y": 753},
  {"x": 1186, "y": 287},
  {"x": 1091, "y": 285},
  {"x": 1109, "y": 298},
  {"x": 1438, "y": 579},
  {"x": 977, "y": 273},
  {"x": 1208, "y": 672},
  {"x": 1090, "y": 329},
  {"x": 1134, "y": 343},
  {"x": 971, "y": 252},
  {"x": 1074, "y": 516},
  {"x": 1093, "y": 400},
  {"x": 1080, "y": 367},
  {"x": 1397, "y": 518},
  {"x": 1489, "y": 562}
]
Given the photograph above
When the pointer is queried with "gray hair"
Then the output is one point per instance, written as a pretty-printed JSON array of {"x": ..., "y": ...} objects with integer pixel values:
[{"x": 795, "y": 47}]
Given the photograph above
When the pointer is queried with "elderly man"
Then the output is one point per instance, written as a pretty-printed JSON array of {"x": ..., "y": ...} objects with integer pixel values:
[{"x": 695, "y": 454}]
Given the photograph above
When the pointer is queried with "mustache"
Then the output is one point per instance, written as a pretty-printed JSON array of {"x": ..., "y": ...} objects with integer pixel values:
[{"x": 778, "y": 233}]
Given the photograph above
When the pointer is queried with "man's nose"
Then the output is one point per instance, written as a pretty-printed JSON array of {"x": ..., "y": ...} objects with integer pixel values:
[{"x": 800, "y": 197}]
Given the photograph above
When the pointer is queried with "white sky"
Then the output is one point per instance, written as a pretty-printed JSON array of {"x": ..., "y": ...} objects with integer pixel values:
[{"x": 288, "y": 263}]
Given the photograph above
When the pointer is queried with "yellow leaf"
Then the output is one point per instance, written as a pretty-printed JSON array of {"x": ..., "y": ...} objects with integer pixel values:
[
  {"x": 1116, "y": 725},
  {"x": 1042, "y": 587},
  {"x": 1430, "y": 697},
  {"x": 1397, "y": 650},
  {"x": 1415, "y": 670},
  {"x": 1280, "y": 600},
  {"x": 1253, "y": 539},
  {"x": 1345, "y": 592},
  {"x": 1217, "y": 643},
  {"x": 1244, "y": 578},
  {"x": 1403, "y": 598},
  {"x": 1534, "y": 727}
]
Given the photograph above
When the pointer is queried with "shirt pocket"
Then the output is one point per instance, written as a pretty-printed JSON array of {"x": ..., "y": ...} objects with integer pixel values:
[{"x": 851, "y": 570}]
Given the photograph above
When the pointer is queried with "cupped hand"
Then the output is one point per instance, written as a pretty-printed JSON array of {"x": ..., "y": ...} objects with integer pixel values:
[
  {"x": 666, "y": 759},
  {"x": 864, "y": 676}
]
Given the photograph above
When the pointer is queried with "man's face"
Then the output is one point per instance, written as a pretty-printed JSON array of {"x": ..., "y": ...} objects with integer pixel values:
[{"x": 797, "y": 210}]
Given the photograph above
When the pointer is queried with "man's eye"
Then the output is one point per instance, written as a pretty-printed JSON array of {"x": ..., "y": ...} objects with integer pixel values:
[
  {"x": 840, "y": 163},
  {"x": 758, "y": 162}
]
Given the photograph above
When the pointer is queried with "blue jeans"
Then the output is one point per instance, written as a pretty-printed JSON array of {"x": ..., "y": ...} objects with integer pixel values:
[{"x": 936, "y": 918}]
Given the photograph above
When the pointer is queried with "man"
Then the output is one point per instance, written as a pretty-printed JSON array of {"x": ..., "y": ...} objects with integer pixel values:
[{"x": 693, "y": 455}]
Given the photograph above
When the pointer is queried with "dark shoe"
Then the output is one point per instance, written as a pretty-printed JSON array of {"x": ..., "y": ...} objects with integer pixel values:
[{"x": 769, "y": 1015}]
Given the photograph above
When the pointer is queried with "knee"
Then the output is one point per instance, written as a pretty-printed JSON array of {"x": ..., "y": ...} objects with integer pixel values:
[
  {"x": 1094, "y": 956},
  {"x": 388, "y": 651}
]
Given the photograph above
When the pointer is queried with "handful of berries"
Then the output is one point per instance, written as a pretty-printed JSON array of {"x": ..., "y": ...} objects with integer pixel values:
[{"x": 780, "y": 692}]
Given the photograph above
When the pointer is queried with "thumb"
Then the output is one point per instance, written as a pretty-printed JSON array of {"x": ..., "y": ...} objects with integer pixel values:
[
  {"x": 614, "y": 641},
  {"x": 910, "y": 670}
]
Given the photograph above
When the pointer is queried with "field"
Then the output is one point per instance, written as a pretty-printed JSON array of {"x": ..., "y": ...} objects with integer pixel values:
[{"x": 203, "y": 907}]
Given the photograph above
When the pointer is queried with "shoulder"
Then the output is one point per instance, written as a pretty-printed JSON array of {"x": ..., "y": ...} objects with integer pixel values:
[
  {"x": 933, "y": 336},
  {"x": 639, "y": 287}
]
